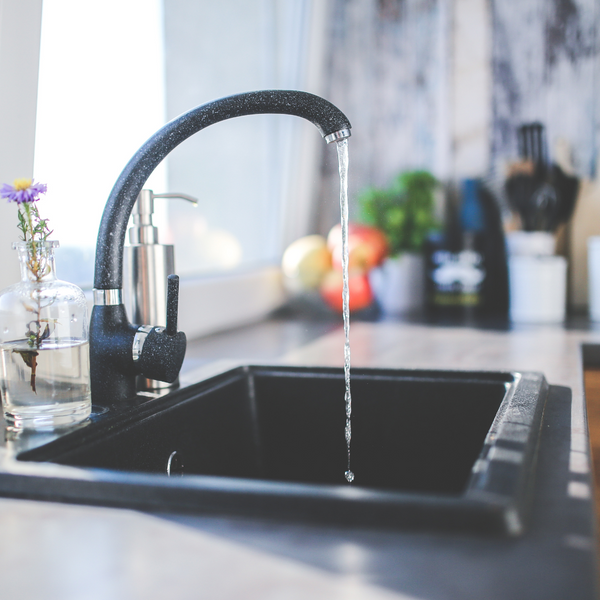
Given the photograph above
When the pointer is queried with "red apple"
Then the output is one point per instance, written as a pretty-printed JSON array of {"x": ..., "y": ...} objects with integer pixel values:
[
  {"x": 359, "y": 290},
  {"x": 367, "y": 246}
]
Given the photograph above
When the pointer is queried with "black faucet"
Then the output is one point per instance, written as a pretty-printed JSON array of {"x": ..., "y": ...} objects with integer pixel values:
[{"x": 120, "y": 351}]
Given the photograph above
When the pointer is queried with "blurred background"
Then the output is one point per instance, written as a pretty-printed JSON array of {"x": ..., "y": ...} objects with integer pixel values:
[{"x": 473, "y": 120}]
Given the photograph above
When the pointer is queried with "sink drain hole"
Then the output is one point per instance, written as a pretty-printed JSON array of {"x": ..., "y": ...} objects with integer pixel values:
[{"x": 174, "y": 464}]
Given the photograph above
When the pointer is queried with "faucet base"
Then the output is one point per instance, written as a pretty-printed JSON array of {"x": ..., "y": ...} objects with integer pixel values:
[{"x": 111, "y": 363}]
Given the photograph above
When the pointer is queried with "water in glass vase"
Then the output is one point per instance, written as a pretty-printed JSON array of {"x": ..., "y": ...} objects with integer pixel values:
[{"x": 46, "y": 386}]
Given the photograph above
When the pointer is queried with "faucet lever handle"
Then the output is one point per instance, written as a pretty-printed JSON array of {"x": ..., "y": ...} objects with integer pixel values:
[
  {"x": 172, "y": 303},
  {"x": 163, "y": 349}
]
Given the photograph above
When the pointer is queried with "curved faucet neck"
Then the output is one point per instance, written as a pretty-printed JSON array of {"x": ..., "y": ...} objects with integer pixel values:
[{"x": 329, "y": 120}]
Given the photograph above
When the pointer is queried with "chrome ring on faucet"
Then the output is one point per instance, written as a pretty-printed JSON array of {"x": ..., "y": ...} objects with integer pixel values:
[
  {"x": 337, "y": 136},
  {"x": 108, "y": 297},
  {"x": 138, "y": 341}
]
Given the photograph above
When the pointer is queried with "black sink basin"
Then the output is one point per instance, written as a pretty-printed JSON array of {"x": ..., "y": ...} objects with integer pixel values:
[{"x": 429, "y": 449}]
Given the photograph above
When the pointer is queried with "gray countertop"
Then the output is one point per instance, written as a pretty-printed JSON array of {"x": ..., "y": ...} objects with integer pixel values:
[{"x": 64, "y": 551}]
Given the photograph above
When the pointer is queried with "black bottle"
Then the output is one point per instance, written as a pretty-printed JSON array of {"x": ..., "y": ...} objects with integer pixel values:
[{"x": 466, "y": 265}]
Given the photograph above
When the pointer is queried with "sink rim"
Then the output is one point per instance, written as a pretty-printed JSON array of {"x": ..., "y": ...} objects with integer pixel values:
[{"x": 496, "y": 500}]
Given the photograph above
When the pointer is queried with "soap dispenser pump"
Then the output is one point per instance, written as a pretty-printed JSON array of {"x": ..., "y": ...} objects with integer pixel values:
[{"x": 147, "y": 265}]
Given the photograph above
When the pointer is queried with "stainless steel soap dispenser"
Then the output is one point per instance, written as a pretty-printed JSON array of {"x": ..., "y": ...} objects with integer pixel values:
[{"x": 147, "y": 265}]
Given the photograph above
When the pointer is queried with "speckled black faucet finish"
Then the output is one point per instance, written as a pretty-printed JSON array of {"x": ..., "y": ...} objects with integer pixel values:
[
  {"x": 109, "y": 251},
  {"x": 112, "y": 337}
]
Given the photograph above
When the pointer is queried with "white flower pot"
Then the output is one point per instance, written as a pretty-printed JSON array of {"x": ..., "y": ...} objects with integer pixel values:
[{"x": 398, "y": 284}]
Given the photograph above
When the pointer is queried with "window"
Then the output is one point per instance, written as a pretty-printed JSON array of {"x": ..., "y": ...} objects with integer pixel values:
[
  {"x": 100, "y": 96},
  {"x": 112, "y": 73}
]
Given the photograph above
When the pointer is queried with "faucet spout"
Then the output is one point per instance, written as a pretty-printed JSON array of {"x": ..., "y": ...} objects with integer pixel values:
[
  {"x": 117, "y": 347},
  {"x": 329, "y": 120}
]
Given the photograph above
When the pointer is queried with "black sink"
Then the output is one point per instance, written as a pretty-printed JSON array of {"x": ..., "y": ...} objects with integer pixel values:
[{"x": 429, "y": 449}]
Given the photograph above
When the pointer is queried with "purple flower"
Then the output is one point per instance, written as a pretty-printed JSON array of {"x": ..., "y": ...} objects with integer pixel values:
[{"x": 22, "y": 190}]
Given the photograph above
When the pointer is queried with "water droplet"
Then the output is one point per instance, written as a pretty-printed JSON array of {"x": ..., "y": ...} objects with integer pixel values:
[
  {"x": 349, "y": 476},
  {"x": 73, "y": 319},
  {"x": 6, "y": 330}
]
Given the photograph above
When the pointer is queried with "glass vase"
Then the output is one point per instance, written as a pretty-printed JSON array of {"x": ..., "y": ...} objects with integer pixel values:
[{"x": 43, "y": 345}]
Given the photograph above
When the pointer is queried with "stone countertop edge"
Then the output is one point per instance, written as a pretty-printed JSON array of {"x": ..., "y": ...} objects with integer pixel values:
[{"x": 55, "y": 550}]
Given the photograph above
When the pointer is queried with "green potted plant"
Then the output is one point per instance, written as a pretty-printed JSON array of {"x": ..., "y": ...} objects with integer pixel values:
[{"x": 405, "y": 212}]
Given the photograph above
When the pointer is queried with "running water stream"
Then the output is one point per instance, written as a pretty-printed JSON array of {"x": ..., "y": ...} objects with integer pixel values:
[{"x": 342, "y": 148}]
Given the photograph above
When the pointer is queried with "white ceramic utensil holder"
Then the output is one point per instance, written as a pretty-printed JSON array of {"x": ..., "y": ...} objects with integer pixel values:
[
  {"x": 593, "y": 244},
  {"x": 538, "y": 288}
]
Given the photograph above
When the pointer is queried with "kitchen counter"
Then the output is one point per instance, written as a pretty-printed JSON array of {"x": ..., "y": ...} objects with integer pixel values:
[{"x": 66, "y": 551}]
